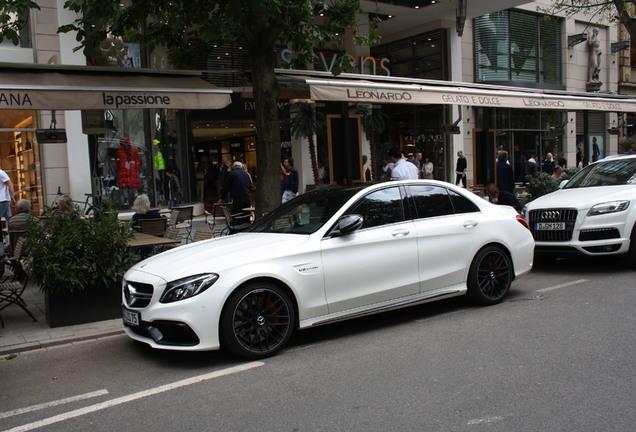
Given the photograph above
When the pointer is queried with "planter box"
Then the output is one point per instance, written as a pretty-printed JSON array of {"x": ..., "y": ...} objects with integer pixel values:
[{"x": 82, "y": 307}]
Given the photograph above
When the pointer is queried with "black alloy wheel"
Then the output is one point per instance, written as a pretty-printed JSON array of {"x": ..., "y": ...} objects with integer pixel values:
[
  {"x": 257, "y": 321},
  {"x": 490, "y": 276}
]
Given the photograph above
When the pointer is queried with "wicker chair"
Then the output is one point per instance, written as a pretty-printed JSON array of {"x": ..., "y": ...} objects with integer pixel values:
[
  {"x": 14, "y": 281},
  {"x": 181, "y": 218},
  {"x": 202, "y": 235}
]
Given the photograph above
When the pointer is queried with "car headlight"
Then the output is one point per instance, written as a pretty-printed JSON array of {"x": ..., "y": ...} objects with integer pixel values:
[
  {"x": 187, "y": 287},
  {"x": 608, "y": 207}
]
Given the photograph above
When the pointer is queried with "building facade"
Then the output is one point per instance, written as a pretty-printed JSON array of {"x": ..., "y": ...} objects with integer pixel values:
[{"x": 480, "y": 77}]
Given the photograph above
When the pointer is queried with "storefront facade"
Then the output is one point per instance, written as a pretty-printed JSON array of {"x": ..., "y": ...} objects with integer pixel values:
[{"x": 466, "y": 90}]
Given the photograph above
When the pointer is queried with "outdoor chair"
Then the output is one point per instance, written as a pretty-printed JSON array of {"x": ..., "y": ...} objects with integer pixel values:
[
  {"x": 14, "y": 281},
  {"x": 181, "y": 218},
  {"x": 202, "y": 235},
  {"x": 171, "y": 233},
  {"x": 154, "y": 226},
  {"x": 235, "y": 222},
  {"x": 210, "y": 217}
]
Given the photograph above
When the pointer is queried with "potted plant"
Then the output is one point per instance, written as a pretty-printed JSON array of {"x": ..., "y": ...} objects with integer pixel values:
[{"x": 78, "y": 263}]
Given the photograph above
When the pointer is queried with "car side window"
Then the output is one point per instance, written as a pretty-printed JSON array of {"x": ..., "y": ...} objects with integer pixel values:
[
  {"x": 430, "y": 201},
  {"x": 381, "y": 207},
  {"x": 461, "y": 204}
]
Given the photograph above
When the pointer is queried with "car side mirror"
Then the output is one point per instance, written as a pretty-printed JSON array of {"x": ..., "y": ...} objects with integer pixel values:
[
  {"x": 346, "y": 225},
  {"x": 563, "y": 183}
]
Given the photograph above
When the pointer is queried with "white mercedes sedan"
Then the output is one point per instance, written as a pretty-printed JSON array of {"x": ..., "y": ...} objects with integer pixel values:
[{"x": 329, "y": 255}]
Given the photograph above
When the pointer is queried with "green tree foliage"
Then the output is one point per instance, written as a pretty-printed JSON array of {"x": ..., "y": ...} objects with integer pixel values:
[
  {"x": 187, "y": 28},
  {"x": 13, "y": 17},
  {"x": 623, "y": 11}
]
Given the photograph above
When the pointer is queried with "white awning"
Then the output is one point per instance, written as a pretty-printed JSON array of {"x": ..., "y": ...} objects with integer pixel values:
[
  {"x": 89, "y": 88},
  {"x": 374, "y": 92}
]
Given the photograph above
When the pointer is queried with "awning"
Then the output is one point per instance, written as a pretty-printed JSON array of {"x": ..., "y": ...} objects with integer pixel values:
[
  {"x": 373, "y": 92},
  {"x": 92, "y": 88}
]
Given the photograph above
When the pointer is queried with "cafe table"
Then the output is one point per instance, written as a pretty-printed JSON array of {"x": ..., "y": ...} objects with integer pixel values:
[{"x": 144, "y": 241}]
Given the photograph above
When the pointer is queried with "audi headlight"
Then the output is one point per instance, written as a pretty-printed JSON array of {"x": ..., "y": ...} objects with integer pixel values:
[
  {"x": 187, "y": 287},
  {"x": 608, "y": 207}
]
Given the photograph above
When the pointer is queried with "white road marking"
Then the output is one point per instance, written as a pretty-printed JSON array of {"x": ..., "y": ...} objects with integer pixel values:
[
  {"x": 134, "y": 396},
  {"x": 53, "y": 403},
  {"x": 484, "y": 420},
  {"x": 563, "y": 285}
]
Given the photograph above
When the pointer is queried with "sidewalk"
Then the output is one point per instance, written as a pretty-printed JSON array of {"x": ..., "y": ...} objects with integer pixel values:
[{"x": 21, "y": 334}]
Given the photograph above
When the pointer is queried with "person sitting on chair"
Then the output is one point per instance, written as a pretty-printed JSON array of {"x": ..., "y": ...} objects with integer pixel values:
[
  {"x": 142, "y": 210},
  {"x": 21, "y": 220}
]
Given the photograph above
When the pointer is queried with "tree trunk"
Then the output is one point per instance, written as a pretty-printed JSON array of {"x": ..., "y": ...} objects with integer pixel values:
[
  {"x": 314, "y": 159},
  {"x": 268, "y": 195}
]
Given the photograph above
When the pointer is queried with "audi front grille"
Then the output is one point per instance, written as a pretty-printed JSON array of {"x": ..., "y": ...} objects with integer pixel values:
[{"x": 547, "y": 216}]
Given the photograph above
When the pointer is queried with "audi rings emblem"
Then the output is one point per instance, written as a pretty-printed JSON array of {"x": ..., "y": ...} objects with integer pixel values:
[{"x": 550, "y": 215}]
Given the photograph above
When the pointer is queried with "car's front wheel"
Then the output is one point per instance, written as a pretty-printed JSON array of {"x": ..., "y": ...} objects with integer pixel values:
[
  {"x": 257, "y": 321},
  {"x": 490, "y": 276},
  {"x": 629, "y": 259}
]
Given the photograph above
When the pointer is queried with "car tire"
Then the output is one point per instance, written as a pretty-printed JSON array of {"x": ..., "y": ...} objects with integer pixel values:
[
  {"x": 490, "y": 276},
  {"x": 629, "y": 259},
  {"x": 257, "y": 321}
]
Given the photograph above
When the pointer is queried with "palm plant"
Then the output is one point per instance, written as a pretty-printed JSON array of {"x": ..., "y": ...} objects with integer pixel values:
[
  {"x": 373, "y": 123},
  {"x": 306, "y": 123}
]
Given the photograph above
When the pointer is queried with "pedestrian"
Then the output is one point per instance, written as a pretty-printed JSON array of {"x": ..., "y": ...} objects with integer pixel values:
[
  {"x": 6, "y": 195},
  {"x": 366, "y": 172},
  {"x": 562, "y": 161},
  {"x": 427, "y": 168},
  {"x": 460, "y": 168},
  {"x": 402, "y": 169},
  {"x": 506, "y": 182},
  {"x": 174, "y": 188},
  {"x": 224, "y": 169},
  {"x": 548, "y": 164},
  {"x": 238, "y": 183},
  {"x": 531, "y": 167},
  {"x": 290, "y": 180}
]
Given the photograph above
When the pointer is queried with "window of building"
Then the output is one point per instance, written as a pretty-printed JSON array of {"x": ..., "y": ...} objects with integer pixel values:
[
  {"x": 420, "y": 56},
  {"x": 518, "y": 48}
]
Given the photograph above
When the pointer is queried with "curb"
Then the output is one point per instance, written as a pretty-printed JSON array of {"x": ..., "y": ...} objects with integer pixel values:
[{"x": 30, "y": 346}]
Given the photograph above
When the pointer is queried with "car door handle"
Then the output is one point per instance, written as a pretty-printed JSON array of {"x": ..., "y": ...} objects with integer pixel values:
[
  {"x": 471, "y": 224},
  {"x": 400, "y": 233}
]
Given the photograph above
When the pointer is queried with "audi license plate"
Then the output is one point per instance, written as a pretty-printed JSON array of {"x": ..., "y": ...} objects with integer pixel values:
[
  {"x": 549, "y": 226},
  {"x": 130, "y": 317}
]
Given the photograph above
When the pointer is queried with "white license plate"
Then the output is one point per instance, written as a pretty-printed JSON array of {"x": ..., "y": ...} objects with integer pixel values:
[
  {"x": 550, "y": 226},
  {"x": 130, "y": 317}
]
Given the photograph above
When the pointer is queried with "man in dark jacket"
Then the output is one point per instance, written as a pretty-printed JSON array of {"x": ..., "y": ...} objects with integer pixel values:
[
  {"x": 238, "y": 185},
  {"x": 506, "y": 181}
]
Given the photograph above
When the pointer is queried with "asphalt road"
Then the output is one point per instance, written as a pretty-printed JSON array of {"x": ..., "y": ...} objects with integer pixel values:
[{"x": 557, "y": 355}]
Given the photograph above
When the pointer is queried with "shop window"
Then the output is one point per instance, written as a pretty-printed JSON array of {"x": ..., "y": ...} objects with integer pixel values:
[{"x": 514, "y": 47}]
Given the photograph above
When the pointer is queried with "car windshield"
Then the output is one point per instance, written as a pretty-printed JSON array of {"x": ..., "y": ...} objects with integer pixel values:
[
  {"x": 605, "y": 173},
  {"x": 306, "y": 213}
]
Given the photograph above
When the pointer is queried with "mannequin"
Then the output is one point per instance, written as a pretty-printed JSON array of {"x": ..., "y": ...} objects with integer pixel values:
[
  {"x": 159, "y": 165},
  {"x": 128, "y": 164}
]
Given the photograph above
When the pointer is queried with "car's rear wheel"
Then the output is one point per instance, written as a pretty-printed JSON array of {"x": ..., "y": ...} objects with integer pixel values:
[
  {"x": 257, "y": 321},
  {"x": 490, "y": 276}
]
